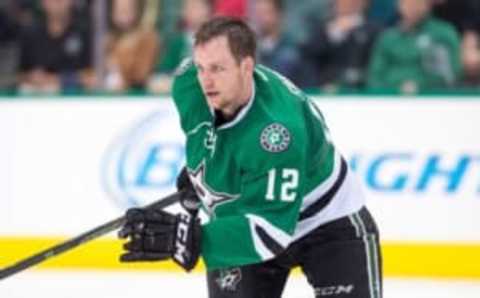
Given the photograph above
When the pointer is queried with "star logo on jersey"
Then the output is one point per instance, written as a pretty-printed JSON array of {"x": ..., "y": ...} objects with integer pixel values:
[
  {"x": 275, "y": 138},
  {"x": 210, "y": 198}
]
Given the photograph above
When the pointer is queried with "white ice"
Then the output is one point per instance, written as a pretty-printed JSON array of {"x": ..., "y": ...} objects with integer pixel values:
[{"x": 138, "y": 284}]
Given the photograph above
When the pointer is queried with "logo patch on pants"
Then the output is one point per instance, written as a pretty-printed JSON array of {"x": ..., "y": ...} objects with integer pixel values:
[{"x": 229, "y": 279}]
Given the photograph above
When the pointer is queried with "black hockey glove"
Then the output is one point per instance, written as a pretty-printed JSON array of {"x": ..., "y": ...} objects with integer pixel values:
[
  {"x": 156, "y": 235},
  {"x": 189, "y": 199}
]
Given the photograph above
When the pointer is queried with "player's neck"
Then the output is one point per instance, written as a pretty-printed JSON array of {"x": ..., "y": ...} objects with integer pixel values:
[{"x": 229, "y": 113}]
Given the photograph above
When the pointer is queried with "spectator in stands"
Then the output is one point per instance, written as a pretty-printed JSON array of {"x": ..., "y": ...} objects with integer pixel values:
[
  {"x": 340, "y": 48},
  {"x": 23, "y": 12},
  {"x": 303, "y": 17},
  {"x": 131, "y": 48},
  {"x": 232, "y": 8},
  {"x": 179, "y": 46},
  {"x": 8, "y": 28},
  {"x": 275, "y": 49},
  {"x": 383, "y": 12},
  {"x": 421, "y": 52},
  {"x": 463, "y": 14},
  {"x": 55, "y": 53},
  {"x": 471, "y": 59},
  {"x": 8, "y": 55}
]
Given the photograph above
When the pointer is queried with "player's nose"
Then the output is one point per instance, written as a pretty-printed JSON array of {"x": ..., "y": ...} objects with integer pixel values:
[{"x": 207, "y": 82}]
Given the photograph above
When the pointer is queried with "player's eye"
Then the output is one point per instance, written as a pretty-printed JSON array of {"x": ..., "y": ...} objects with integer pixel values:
[{"x": 217, "y": 68}]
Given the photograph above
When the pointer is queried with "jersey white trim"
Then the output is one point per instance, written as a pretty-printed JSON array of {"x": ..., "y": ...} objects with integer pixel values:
[
  {"x": 348, "y": 199},
  {"x": 195, "y": 130},
  {"x": 277, "y": 234},
  {"x": 261, "y": 74}
]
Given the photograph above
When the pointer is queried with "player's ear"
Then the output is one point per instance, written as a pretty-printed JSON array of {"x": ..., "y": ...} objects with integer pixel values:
[{"x": 248, "y": 64}]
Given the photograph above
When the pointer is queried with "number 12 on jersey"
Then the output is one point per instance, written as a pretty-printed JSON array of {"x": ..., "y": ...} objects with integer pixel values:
[{"x": 288, "y": 182}]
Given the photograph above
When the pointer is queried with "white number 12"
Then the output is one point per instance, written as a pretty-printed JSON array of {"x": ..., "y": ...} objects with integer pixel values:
[{"x": 288, "y": 185}]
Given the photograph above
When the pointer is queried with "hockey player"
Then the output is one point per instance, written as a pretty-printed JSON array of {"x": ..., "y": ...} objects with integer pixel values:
[{"x": 276, "y": 191}]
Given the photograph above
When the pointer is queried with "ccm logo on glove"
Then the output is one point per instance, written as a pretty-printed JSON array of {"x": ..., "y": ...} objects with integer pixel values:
[
  {"x": 182, "y": 237},
  {"x": 156, "y": 235}
]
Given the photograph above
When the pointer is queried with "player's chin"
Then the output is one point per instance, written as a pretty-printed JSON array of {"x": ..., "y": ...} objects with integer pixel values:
[{"x": 214, "y": 102}]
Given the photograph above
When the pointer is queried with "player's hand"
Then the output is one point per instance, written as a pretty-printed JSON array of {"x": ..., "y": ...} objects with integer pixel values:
[
  {"x": 189, "y": 199},
  {"x": 156, "y": 235}
]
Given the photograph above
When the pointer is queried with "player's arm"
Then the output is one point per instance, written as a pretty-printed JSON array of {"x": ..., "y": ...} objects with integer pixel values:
[
  {"x": 188, "y": 98},
  {"x": 261, "y": 228}
]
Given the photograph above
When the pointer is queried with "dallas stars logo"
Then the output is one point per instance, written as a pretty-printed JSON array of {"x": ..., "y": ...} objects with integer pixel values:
[
  {"x": 275, "y": 138},
  {"x": 229, "y": 278},
  {"x": 210, "y": 198}
]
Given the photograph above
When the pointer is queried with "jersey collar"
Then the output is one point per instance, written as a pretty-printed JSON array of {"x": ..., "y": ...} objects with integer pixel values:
[{"x": 242, "y": 113}]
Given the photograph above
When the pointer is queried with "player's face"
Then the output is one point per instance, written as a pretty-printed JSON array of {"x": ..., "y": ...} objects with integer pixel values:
[{"x": 224, "y": 81}]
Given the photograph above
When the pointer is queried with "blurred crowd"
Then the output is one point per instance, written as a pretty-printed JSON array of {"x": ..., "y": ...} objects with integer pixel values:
[{"x": 406, "y": 46}]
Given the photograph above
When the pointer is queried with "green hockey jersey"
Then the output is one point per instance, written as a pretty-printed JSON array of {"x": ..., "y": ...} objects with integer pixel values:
[{"x": 265, "y": 178}]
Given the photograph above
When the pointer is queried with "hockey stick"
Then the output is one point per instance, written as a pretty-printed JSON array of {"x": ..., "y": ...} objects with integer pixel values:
[{"x": 80, "y": 239}]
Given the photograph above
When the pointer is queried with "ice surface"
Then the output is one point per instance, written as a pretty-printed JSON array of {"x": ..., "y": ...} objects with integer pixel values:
[{"x": 135, "y": 284}]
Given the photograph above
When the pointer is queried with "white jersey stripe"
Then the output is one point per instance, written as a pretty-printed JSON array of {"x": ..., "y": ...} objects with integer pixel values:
[{"x": 348, "y": 199}]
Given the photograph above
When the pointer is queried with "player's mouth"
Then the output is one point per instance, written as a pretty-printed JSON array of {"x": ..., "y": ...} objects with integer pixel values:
[{"x": 212, "y": 94}]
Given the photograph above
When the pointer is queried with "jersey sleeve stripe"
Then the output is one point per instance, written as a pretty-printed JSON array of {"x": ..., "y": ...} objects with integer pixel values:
[
  {"x": 269, "y": 242},
  {"x": 267, "y": 239},
  {"x": 323, "y": 201},
  {"x": 324, "y": 186},
  {"x": 347, "y": 200}
]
